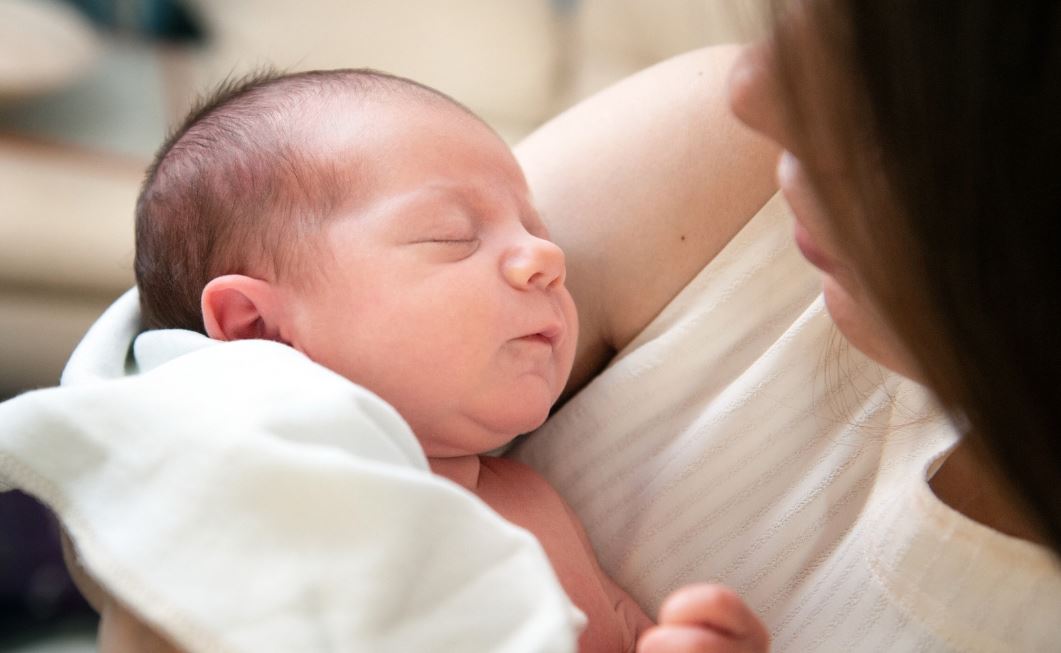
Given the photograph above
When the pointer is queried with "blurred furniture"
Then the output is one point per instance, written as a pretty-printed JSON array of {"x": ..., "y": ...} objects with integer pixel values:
[{"x": 76, "y": 137}]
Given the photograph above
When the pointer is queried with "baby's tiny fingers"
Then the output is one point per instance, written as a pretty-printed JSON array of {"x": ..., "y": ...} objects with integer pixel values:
[
  {"x": 715, "y": 607},
  {"x": 691, "y": 639}
]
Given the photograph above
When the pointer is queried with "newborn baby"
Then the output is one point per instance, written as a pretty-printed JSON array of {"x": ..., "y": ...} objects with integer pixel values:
[{"x": 387, "y": 233}]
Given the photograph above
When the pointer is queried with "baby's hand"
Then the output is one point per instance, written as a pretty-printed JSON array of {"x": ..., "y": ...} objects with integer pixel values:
[{"x": 705, "y": 619}]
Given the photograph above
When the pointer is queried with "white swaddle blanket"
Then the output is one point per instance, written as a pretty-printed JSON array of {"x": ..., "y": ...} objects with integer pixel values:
[{"x": 242, "y": 498}]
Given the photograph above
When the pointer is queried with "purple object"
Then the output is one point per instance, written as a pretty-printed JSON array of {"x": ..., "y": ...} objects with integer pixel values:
[{"x": 35, "y": 589}]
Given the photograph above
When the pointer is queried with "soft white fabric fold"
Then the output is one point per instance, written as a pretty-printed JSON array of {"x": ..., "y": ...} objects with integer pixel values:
[{"x": 242, "y": 498}]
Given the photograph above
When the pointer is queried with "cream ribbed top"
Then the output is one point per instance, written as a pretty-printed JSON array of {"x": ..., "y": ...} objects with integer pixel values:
[{"x": 737, "y": 439}]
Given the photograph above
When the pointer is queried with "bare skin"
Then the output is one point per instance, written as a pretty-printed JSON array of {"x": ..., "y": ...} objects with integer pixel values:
[
  {"x": 661, "y": 184},
  {"x": 642, "y": 185},
  {"x": 657, "y": 176},
  {"x": 524, "y": 498},
  {"x": 632, "y": 197}
]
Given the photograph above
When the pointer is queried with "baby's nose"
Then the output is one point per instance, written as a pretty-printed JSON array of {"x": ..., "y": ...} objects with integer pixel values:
[{"x": 535, "y": 263}]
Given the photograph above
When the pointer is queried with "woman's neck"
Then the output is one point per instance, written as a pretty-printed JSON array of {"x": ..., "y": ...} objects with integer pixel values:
[
  {"x": 972, "y": 488},
  {"x": 462, "y": 470}
]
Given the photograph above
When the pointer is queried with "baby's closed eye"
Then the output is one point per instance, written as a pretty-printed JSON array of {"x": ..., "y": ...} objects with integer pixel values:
[
  {"x": 456, "y": 229},
  {"x": 449, "y": 247},
  {"x": 448, "y": 241}
]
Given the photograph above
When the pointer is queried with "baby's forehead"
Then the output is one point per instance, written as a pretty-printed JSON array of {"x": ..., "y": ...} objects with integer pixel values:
[
  {"x": 354, "y": 116},
  {"x": 369, "y": 134},
  {"x": 417, "y": 150}
]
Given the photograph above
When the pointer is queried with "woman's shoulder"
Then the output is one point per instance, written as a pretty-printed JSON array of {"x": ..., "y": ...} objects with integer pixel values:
[{"x": 642, "y": 185}]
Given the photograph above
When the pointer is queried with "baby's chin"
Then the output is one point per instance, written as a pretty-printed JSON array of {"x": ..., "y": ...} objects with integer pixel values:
[
  {"x": 526, "y": 418},
  {"x": 474, "y": 435}
]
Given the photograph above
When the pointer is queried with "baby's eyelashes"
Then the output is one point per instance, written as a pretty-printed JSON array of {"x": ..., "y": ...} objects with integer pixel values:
[
  {"x": 450, "y": 241},
  {"x": 455, "y": 247}
]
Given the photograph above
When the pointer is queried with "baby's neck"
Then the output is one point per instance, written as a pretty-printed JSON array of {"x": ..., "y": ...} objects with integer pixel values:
[{"x": 462, "y": 470}]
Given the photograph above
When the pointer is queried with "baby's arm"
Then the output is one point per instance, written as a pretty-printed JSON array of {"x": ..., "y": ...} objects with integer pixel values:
[
  {"x": 637, "y": 622},
  {"x": 705, "y": 618},
  {"x": 629, "y": 614}
]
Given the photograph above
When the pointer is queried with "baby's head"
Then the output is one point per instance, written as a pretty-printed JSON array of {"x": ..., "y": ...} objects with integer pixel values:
[{"x": 378, "y": 227}]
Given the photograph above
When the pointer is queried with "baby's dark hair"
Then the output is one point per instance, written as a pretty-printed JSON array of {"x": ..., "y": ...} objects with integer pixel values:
[{"x": 235, "y": 189}]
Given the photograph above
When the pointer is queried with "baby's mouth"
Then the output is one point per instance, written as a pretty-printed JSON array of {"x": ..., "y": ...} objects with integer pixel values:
[
  {"x": 538, "y": 338},
  {"x": 550, "y": 335}
]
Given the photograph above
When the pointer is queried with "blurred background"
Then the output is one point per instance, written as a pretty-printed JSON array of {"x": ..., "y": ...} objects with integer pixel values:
[{"x": 89, "y": 88}]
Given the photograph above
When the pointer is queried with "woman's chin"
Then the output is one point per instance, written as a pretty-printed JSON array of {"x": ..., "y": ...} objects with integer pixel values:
[{"x": 861, "y": 326}]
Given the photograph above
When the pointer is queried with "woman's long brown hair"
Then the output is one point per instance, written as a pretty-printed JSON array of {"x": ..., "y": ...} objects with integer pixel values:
[{"x": 945, "y": 116}]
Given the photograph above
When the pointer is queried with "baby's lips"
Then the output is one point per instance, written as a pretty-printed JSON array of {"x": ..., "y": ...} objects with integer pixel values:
[{"x": 553, "y": 333}]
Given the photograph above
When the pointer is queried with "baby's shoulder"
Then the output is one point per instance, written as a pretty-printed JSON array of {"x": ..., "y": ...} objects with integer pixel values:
[
  {"x": 511, "y": 487},
  {"x": 513, "y": 476}
]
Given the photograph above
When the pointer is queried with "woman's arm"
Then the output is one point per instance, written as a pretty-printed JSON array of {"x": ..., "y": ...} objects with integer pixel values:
[{"x": 643, "y": 184}]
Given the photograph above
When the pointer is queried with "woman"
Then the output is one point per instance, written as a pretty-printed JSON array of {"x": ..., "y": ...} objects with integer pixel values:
[
  {"x": 936, "y": 179},
  {"x": 915, "y": 159}
]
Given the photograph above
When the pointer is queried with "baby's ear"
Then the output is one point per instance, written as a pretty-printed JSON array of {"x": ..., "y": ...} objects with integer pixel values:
[{"x": 238, "y": 307}]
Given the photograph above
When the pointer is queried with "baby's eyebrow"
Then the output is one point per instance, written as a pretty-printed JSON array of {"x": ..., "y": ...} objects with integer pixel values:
[
  {"x": 424, "y": 207},
  {"x": 474, "y": 203},
  {"x": 444, "y": 188},
  {"x": 422, "y": 195},
  {"x": 455, "y": 194}
]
